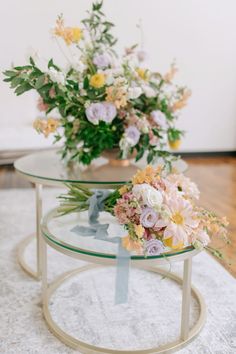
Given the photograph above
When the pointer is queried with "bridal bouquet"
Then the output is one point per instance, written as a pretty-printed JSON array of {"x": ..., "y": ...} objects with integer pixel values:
[
  {"x": 104, "y": 101},
  {"x": 158, "y": 210}
]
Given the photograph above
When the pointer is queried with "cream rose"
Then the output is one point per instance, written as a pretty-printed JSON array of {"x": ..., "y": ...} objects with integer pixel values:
[{"x": 150, "y": 196}]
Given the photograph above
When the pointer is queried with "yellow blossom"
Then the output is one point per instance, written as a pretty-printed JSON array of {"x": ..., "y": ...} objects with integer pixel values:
[
  {"x": 169, "y": 243},
  {"x": 97, "y": 80},
  {"x": 131, "y": 245},
  {"x": 123, "y": 190},
  {"x": 175, "y": 144},
  {"x": 139, "y": 230},
  {"x": 143, "y": 73},
  {"x": 69, "y": 34},
  {"x": 76, "y": 34},
  {"x": 147, "y": 175}
]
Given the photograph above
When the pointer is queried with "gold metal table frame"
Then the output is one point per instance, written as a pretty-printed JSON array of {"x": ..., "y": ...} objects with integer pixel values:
[{"x": 186, "y": 334}]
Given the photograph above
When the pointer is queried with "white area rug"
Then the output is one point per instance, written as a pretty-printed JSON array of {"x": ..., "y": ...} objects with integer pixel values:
[{"x": 84, "y": 305}]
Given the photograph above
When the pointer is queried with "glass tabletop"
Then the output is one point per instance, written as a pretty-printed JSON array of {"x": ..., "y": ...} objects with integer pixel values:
[
  {"x": 62, "y": 231},
  {"x": 48, "y": 166}
]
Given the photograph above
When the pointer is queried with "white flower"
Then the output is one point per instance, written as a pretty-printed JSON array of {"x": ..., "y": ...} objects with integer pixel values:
[
  {"x": 200, "y": 239},
  {"x": 109, "y": 80},
  {"x": 143, "y": 125},
  {"x": 150, "y": 196},
  {"x": 148, "y": 91},
  {"x": 183, "y": 185},
  {"x": 56, "y": 76},
  {"x": 124, "y": 146},
  {"x": 134, "y": 92},
  {"x": 70, "y": 118}
]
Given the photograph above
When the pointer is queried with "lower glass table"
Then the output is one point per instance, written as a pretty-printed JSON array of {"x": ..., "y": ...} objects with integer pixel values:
[
  {"x": 58, "y": 232},
  {"x": 47, "y": 169}
]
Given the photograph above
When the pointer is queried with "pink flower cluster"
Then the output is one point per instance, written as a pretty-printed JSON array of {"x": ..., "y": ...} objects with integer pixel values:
[{"x": 160, "y": 213}]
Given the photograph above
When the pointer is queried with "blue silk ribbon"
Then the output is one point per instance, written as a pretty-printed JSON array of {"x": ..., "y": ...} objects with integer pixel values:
[{"x": 99, "y": 231}]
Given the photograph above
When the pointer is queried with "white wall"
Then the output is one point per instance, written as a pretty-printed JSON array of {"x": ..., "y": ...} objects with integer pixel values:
[{"x": 200, "y": 34}]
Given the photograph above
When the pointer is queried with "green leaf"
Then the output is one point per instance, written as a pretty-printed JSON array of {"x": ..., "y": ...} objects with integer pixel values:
[
  {"x": 40, "y": 82},
  {"x": 139, "y": 154},
  {"x": 86, "y": 83},
  {"x": 23, "y": 88},
  {"x": 32, "y": 61},
  {"x": 10, "y": 73},
  {"x": 16, "y": 81},
  {"x": 52, "y": 65},
  {"x": 150, "y": 156}
]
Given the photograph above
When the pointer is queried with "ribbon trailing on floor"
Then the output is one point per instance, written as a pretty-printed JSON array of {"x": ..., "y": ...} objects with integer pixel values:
[{"x": 99, "y": 231}]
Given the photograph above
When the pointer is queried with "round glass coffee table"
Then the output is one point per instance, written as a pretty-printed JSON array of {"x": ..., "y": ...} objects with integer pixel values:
[
  {"x": 58, "y": 233},
  {"x": 47, "y": 169}
]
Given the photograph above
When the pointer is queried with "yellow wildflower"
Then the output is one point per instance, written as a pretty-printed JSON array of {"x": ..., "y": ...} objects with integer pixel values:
[
  {"x": 139, "y": 230},
  {"x": 143, "y": 73},
  {"x": 52, "y": 125},
  {"x": 76, "y": 34},
  {"x": 146, "y": 176},
  {"x": 131, "y": 245},
  {"x": 117, "y": 95},
  {"x": 168, "y": 77},
  {"x": 182, "y": 102},
  {"x": 69, "y": 34},
  {"x": 175, "y": 144},
  {"x": 46, "y": 126},
  {"x": 123, "y": 190},
  {"x": 97, "y": 80}
]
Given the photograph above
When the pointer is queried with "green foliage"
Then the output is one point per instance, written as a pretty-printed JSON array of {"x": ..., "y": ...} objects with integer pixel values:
[{"x": 174, "y": 134}]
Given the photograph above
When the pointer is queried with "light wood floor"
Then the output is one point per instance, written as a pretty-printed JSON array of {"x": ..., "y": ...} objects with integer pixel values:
[{"x": 216, "y": 178}]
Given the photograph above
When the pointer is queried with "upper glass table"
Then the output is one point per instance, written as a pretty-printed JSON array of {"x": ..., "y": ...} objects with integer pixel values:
[
  {"x": 59, "y": 232},
  {"x": 47, "y": 167}
]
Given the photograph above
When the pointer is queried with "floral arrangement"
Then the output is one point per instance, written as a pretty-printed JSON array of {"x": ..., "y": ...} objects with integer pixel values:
[
  {"x": 159, "y": 211},
  {"x": 104, "y": 102}
]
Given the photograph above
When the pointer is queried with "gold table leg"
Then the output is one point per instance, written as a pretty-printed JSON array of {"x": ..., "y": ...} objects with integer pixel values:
[
  {"x": 186, "y": 298},
  {"x": 24, "y": 244}
]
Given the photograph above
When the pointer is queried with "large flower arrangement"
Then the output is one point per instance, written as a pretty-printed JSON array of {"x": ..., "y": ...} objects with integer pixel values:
[
  {"x": 104, "y": 102},
  {"x": 158, "y": 210}
]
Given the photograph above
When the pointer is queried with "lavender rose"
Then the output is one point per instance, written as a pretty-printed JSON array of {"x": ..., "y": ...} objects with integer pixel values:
[
  {"x": 101, "y": 111},
  {"x": 95, "y": 112},
  {"x": 132, "y": 135},
  {"x": 154, "y": 247},
  {"x": 111, "y": 112},
  {"x": 101, "y": 60},
  {"x": 148, "y": 217}
]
